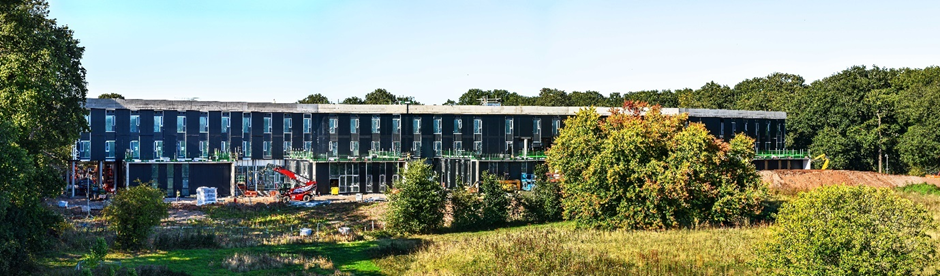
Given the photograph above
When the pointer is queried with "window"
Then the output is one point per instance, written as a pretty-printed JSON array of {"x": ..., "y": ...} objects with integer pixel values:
[
  {"x": 180, "y": 149},
  {"x": 287, "y": 146},
  {"x": 556, "y": 125},
  {"x": 458, "y": 125},
  {"x": 84, "y": 149},
  {"x": 376, "y": 145},
  {"x": 354, "y": 125},
  {"x": 204, "y": 149},
  {"x": 508, "y": 125},
  {"x": 180, "y": 124},
  {"x": 509, "y": 147},
  {"x": 135, "y": 123},
  {"x": 266, "y": 149},
  {"x": 225, "y": 123},
  {"x": 416, "y": 148},
  {"x": 536, "y": 126},
  {"x": 334, "y": 150},
  {"x": 246, "y": 148},
  {"x": 437, "y": 148},
  {"x": 308, "y": 145},
  {"x": 157, "y": 149},
  {"x": 354, "y": 148},
  {"x": 267, "y": 124},
  {"x": 734, "y": 128},
  {"x": 157, "y": 123},
  {"x": 477, "y": 126},
  {"x": 334, "y": 122},
  {"x": 376, "y": 124},
  {"x": 396, "y": 125},
  {"x": 396, "y": 146},
  {"x": 109, "y": 123},
  {"x": 478, "y": 147},
  {"x": 246, "y": 124},
  {"x": 458, "y": 145},
  {"x": 88, "y": 119},
  {"x": 135, "y": 149},
  {"x": 109, "y": 149},
  {"x": 416, "y": 126},
  {"x": 204, "y": 123},
  {"x": 288, "y": 125},
  {"x": 437, "y": 125},
  {"x": 767, "y": 129},
  {"x": 721, "y": 130},
  {"x": 224, "y": 147},
  {"x": 307, "y": 125}
]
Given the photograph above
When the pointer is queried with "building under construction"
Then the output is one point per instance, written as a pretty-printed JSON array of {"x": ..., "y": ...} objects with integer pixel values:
[{"x": 182, "y": 145}]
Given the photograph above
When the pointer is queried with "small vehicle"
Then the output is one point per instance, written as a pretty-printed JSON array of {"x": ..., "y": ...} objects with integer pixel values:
[{"x": 305, "y": 192}]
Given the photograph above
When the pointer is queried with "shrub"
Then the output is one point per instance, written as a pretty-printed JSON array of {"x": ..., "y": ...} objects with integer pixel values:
[
  {"x": 133, "y": 213},
  {"x": 842, "y": 230},
  {"x": 96, "y": 254},
  {"x": 417, "y": 204},
  {"x": 543, "y": 204},
  {"x": 653, "y": 171},
  {"x": 922, "y": 188},
  {"x": 465, "y": 209},
  {"x": 495, "y": 208}
]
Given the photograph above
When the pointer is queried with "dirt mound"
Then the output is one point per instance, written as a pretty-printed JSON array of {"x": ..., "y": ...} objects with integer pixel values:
[{"x": 804, "y": 180}]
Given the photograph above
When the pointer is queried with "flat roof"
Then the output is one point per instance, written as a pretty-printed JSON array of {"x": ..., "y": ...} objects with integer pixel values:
[{"x": 205, "y": 106}]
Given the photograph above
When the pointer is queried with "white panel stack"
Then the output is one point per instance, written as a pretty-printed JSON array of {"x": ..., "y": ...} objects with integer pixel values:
[{"x": 205, "y": 195}]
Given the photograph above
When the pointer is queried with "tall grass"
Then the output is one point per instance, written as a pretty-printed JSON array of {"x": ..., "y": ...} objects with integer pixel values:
[{"x": 561, "y": 249}]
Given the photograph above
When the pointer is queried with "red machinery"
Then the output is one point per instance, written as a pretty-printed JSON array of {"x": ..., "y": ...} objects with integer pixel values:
[{"x": 304, "y": 192}]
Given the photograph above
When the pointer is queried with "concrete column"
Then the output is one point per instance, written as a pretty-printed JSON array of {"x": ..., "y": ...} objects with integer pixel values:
[
  {"x": 71, "y": 175},
  {"x": 232, "y": 180}
]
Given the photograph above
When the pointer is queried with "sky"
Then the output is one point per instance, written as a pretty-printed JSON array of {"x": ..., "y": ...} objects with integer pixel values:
[{"x": 282, "y": 51}]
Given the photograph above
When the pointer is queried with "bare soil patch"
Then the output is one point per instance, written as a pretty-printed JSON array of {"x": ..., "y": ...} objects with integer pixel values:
[{"x": 792, "y": 181}]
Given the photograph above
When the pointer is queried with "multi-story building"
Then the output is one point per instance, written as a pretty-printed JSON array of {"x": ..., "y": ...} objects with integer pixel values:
[{"x": 181, "y": 145}]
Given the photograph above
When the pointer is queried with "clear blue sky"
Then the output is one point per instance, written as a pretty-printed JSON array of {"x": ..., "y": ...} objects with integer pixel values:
[{"x": 435, "y": 50}]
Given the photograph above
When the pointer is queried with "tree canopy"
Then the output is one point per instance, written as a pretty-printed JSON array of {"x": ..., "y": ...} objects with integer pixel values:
[
  {"x": 111, "y": 96},
  {"x": 314, "y": 99}
]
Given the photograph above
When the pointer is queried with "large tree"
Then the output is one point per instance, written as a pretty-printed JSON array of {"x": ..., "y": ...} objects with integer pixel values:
[
  {"x": 918, "y": 99},
  {"x": 42, "y": 91},
  {"x": 314, "y": 99},
  {"x": 111, "y": 96},
  {"x": 775, "y": 92},
  {"x": 380, "y": 96},
  {"x": 587, "y": 98},
  {"x": 353, "y": 100},
  {"x": 713, "y": 96}
]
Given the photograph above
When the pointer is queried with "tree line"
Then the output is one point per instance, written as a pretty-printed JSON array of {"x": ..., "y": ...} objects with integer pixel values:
[{"x": 862, "y": 118}]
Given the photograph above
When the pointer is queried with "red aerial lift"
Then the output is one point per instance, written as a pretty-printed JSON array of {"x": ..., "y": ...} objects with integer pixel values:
[{"x": 305, "y": 192}]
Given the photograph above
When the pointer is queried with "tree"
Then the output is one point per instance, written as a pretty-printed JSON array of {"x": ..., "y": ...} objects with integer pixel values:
[
  {"x": 353, "y": 100},
  {"x": 713, "y": 96},
  {"x": 552, "y": 97},
  {"x": 652, "y": 171},
  {"x": 544, "y": 204},
  {"x": 380, "y": 96},
  {"x": 42, "y": 91},
  {"x": 774, "y": 92},
  {"x": 314, "y": 99},
  {"x": 417, "y": 203},
  {"x": 134, "y": 213},
  {"x": 111, "y": 96},
  {"x": 495, "y": 208},
  {"x": 465, "y": 209},
  {"x": 588, "y": 98},
  {"x": 918, "y": 98},
  {"x": 843, "y": 230}
]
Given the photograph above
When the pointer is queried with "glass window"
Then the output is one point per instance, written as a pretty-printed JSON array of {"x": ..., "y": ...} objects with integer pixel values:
[
  {"x": 287, "y": 146},
  {"x": 85, "y": 151},
  {"x": 437, "y": 125},
  {"x": 396, "y": 125},
  {"x": 334, "y": 150},
  {"x": 509, "y": 147},
  {"x": 334, "y": 122},
  {"x": 376, "y": 145},
  {"x": 204, "y": 149},
  {"x": 376, "y": 124},
  {"x": 308, "y": 145},
  {"x": 88, "y": 119},
  {"x": 556, "y": 126},
  {"x": 266, "y": 149},
  {"x": 721, "y": 130},
  {"x": 180, "y": 149},
  {"x": 307, "y": 125},
  {"x": 246, "y": 124},
  {"x": 354, "y": 148},
  {"x": 109, "y": 148},
  {"x": 416, "y": 148},
  {"x": 437, "y": 148},
  {"x": 246, "y": 148},
  {"x": 536, "y": 126},
  {"x": 509, "y": 126},
  {"x": 224, "y": 147},
  {"x": 477, "y": 126},
  {"x": 416, "y": 125},
  {"x": 458, "y": 145},
  {"x": 288, "y": 125},
  {"x": 157, "y": 149},
  {"x": 135, "y": 149},
  {"x": 396, "y": 146},
  {"x": 157, "y": 123},
  {"x": 458, "y": 125},
  {"x": 267, "y": 124},
  {"x": 478, "y": 147},
  {"x": 180, "y": 124},
  {"x": 109, "y": 123},
  {"x": 135, "y": 123},
  {"x": 225, "y": 123},
  {"x": 204, "y": 123},
  {"x": 354, "y": 125},
  {"x": 734, "y": 128}
]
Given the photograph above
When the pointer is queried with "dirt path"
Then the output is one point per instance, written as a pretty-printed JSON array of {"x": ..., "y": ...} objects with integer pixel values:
[{"x": 803, "y": 180}]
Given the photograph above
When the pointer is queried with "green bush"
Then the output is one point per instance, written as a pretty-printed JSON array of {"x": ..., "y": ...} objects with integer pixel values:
[
  {"x": 416, "y": 205},
  {"x": 842, "y": 230},
  {"x": 133, "y": 213},
  {"x": 653, "y": 171},
  {"x": 922, "y": 188},
  {"x": 465, "y": 209},
  {"x": 495, "y": 208},
  {"x": 96, "y": 254},
  {"x": 543, "y": 204}
]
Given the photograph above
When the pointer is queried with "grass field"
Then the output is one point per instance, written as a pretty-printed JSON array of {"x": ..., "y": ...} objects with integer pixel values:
[{"x": 545, "y": 249}]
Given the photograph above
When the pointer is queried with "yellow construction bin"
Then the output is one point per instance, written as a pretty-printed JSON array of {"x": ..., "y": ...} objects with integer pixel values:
[{"x": 334, "y": 190}]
